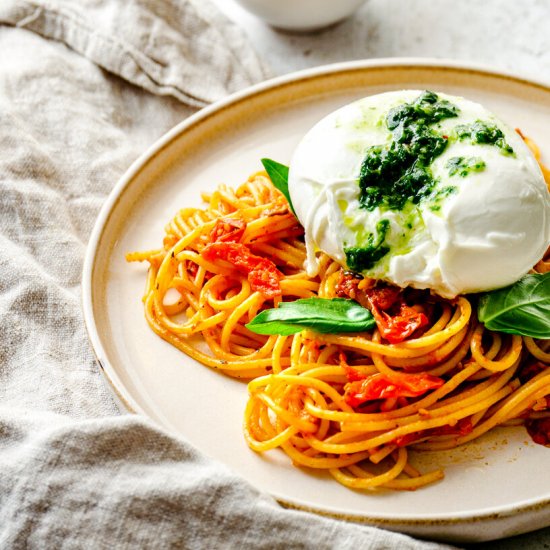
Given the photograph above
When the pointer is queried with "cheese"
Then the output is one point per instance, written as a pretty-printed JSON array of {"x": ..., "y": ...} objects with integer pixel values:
[{"x": 480, "y": 221}]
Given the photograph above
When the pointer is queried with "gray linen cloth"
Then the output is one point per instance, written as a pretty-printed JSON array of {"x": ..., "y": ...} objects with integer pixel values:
[{"x": 84, "y": 88}]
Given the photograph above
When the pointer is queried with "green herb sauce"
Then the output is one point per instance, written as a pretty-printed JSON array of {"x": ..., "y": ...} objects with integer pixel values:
[
  {"x": 393, "y": 174},
  {"x": 437, "y": 197},
  {"x": 483, "y": 133},
  {"x": 361, "y": 258},
  {"x": 398, "y": 173},
  {"x": 462, "y": 166}
]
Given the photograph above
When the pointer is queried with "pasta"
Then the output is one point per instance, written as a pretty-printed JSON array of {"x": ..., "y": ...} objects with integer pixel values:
[{"x": 221, "y": 265}]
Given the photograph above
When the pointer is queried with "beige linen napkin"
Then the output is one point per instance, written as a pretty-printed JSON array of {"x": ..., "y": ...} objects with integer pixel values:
[{"x": 84, "y": 88}]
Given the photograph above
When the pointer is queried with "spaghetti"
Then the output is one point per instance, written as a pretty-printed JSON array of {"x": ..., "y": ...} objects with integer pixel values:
[{"x": 356, "y": 404}]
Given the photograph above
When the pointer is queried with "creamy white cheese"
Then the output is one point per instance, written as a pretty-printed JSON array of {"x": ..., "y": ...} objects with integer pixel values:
[{"x": 487, "y": 233}]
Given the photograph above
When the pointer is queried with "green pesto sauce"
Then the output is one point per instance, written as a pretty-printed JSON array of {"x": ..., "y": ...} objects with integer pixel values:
[
  {"x": 397, "y": 175},
  {"x": 463, "y": 166},
  {"x": 483, "y": 133},
  {"x": 365, "y": 257},
  {"x": 437, "y": 197},
  {"x": 398, "y": 172}
]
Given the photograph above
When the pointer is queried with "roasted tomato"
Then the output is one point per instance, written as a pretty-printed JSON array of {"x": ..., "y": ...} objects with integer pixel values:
[
  {"x": 262, "y": 273},
  {"x": 539, "y": 430},
  {"x": 395, "y": 320},
  {"x": 228, "y": 230},
  {"x": 378, "y": 386},
  {"x": 401, "y": 321}
]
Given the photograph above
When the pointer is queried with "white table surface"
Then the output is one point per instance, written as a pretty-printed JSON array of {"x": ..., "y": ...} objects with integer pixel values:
[
  {"x": 512, "y": 35},
  {"x": 506, "y": 34}
]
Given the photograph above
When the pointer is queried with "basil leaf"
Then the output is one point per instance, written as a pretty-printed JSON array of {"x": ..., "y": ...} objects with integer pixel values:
[
  {"x": 324, "y": 315},
  {"x": 278, "y": 174},
  {"x": 522, "y": 308}
]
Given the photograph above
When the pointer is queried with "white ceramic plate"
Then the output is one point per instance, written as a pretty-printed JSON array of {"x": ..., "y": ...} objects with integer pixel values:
[{"x": 494, "y": 488}]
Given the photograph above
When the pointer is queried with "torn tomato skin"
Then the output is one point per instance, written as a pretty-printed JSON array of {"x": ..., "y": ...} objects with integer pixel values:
[
  {"x": 395, "y": 319},
  {"x": 378, "y": 386},
  {"x": 402, "y": 320},
  {"x": 539, "y": 430},
  {"x": 225, "y": 237},
  {"x": 228, "y": 230},
  {"x": 262, "y": 273}
]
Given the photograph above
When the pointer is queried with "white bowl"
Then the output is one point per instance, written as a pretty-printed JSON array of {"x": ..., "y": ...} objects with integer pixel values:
[{"x": 301, "y": 15}]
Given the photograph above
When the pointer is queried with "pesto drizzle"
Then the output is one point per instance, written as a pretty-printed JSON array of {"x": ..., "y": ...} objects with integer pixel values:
[
  {"x": 462, "y": 166},
  {"x": 484, "y": 133},
  {"x": 394, "y": 174},
  {"x": 361, "y": 258},
  {"x": 397, "y": 173}
]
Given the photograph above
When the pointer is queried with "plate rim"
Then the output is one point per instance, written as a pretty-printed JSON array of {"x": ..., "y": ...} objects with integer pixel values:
[{"x": 123, "y": 396}]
